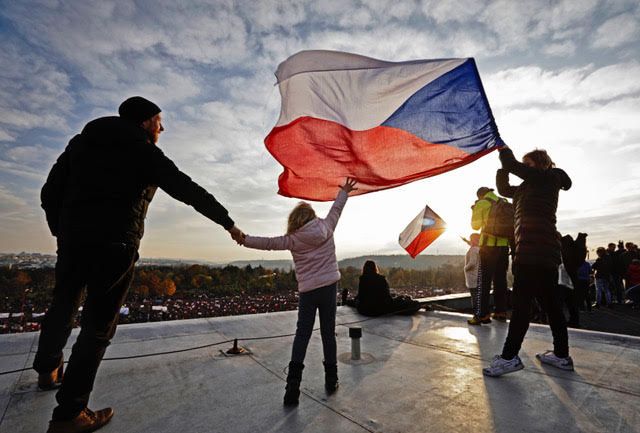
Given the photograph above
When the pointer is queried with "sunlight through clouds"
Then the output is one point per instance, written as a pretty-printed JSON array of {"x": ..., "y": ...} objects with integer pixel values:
[{"x": 560, "y": 75}]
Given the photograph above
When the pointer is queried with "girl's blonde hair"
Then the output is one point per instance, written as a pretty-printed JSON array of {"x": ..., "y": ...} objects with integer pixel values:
[
  {"x": 540, "y": 159},
  {"x": 299, "y": 216}
]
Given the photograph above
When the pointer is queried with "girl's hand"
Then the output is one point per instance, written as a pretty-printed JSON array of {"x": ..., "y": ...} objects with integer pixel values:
[{"x": 349, "y": 185}]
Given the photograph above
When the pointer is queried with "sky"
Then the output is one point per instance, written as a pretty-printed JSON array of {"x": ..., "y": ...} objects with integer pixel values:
[{"x": 559, "y": 75}]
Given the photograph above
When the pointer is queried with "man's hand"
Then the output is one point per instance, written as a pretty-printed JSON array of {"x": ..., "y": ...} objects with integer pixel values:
[
  {"x": 237, "y": 235},
  {"x": 349, "y": 185}
]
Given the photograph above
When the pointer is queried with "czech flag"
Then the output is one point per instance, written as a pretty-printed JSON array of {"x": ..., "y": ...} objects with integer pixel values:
[
  {"x": 421, "y": 232},
  {"x": 383, "y": 123}
]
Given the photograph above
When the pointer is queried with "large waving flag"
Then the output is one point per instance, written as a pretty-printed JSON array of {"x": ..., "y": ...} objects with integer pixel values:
[
  {"x": 382, "y": 123},
  {"x": 421, "y": 231}
]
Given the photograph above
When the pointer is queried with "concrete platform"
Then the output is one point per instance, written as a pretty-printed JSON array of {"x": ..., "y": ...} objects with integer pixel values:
[{"x": 424, "y": 376}]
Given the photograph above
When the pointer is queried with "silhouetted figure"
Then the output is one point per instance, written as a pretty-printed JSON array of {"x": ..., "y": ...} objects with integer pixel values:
[
  {"x": 628, "y": 255},
  {"x": 374, "y": 297},
  {"x": 574, "y": 253},
  {"x": 602, "y": 274},
  {"x": 617, "y": 271},
  {"x": 494, "y": 260},
  {"x": 582, "y": 286},
  {"x": 96, "y": 199},
  {"x": 310, "y": 240},
  {"x": 537, "y": 256}
]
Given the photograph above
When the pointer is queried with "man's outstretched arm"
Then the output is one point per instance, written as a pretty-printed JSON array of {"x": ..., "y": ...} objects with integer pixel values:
[{"x": 178, "y": 185}]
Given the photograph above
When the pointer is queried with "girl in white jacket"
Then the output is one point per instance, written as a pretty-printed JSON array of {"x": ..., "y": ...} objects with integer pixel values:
[{"x": 310, "y": 240}]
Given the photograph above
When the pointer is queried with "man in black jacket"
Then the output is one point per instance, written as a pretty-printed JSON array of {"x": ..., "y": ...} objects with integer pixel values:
[
  {"x": 95, "y": 199},
  {"x": 537, "y": 256}
]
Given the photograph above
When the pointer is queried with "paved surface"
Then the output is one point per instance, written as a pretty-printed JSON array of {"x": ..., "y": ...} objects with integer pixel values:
[{"x": 424, "y": 375}]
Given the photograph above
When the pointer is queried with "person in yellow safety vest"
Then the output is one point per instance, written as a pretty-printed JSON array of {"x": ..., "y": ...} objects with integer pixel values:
[{"x": 494, "y": 261}]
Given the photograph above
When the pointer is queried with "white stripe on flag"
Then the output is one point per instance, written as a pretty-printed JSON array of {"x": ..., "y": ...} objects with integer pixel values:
[{"x": 359, "y": 99}]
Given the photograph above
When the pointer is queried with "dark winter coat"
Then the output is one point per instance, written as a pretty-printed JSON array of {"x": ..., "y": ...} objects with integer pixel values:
[
  {"x": 617, "y": 260},
  {"x": 100, "y": 187},
  {"x": 535, "y": 201},
  {"x": 374, "y": 297},
  {"x": 603, "y": 267},
  {"x": 574, "y": 253}
]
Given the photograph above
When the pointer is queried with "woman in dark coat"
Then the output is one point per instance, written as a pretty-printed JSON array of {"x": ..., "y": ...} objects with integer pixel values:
[
  {"x": 374, "y": 297},
  {"x": 537, "y": 256}
]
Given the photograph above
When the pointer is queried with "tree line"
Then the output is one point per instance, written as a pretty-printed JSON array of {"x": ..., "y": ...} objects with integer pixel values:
[{"x": 33, "y": 286}]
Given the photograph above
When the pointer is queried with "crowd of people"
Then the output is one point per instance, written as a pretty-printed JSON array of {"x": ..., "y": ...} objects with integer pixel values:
[
  {"x": 616, "y": 272},
  {"x": 138, "y": 309},
  {"x": 205, "y": 306}
]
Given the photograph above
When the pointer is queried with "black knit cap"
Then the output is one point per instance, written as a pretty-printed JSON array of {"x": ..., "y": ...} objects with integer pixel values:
[{"x": 138, "y": 109}]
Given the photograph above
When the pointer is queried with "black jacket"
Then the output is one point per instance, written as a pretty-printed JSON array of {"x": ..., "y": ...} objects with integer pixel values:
[
  {"x": 602, "y": 267},
  {"x": 536, "y": 200},
  {"x": 100, "y": 187},
  {"x": 374, "y": 297},
  {"x": 574, "y": 253}
]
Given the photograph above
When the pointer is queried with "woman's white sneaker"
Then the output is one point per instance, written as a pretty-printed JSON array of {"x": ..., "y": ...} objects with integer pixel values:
[
  {"x": 500, "y": 366},
  {"x": 550, "y": 358}
]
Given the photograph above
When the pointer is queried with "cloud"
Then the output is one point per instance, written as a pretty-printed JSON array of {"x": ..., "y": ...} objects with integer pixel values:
[
  {"x": 24, "y": 119},
  {"x": 6, "y": 136},
  {"x": 9, "y": 202},
  {"x": 460, "y": 11},
  {"x": 617, "y": 31},
  {"x": 553, "y": 81},
  {"x": 33, "y": 92},
  {"x": 560, "y": 49},
  {"x": 267, "y": 15},
  {"x": 627, "y": 148},
  {"x": 583, "y": 85},
  {"x": 22, "y": 171},
  {"x": 161, "y": 55}
]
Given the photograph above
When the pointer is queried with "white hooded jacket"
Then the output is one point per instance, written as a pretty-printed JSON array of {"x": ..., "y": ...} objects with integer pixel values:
[{"x": 312, "y": 248}]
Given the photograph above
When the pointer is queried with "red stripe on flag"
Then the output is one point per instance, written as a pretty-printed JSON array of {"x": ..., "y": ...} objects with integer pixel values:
[
  {"x": 318, "y": 154},
  {"x": 422, "y": 241}
]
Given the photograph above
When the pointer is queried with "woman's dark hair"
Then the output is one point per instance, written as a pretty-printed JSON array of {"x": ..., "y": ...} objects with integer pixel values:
[
  {"x": 540, "y": 159},
  {"x": 370, "y": 268}
]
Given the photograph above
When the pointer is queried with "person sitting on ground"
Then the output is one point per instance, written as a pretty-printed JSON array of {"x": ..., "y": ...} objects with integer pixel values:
[{"x": 374, "y": 297}]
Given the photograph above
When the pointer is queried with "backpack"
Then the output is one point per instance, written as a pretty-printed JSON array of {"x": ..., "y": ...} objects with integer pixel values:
[{"x": 500, "y": 220}]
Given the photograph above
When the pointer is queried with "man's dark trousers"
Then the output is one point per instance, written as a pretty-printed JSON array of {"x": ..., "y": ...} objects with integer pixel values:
[
  {"x": 533, "y": 281},
  {"x": 106, "y": 271},
  {"x": 494, "y": 262}
]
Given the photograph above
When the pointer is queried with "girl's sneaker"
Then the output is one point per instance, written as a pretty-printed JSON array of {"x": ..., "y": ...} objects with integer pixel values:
[
  {"x": 550, "y": 358},
  {"x": 500, "y": 366}
]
